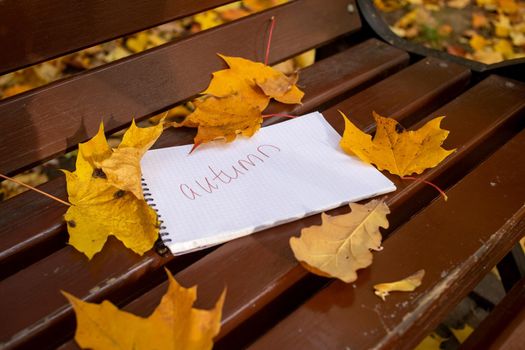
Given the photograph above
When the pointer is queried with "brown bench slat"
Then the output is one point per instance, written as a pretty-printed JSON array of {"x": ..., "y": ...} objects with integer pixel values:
[
  {"x": 33, "y": 32},
  {"x": 254, "y": 283},
  {"x": 44, "y": 122},
  {"x": 30, "y": 224},
  {"x": 77, "y": 265},
  {"x": 504, "y": 327},
  {"x": 456, "y": 242}
]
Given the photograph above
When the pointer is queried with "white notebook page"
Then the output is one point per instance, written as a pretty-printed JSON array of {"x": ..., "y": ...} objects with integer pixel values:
[{"x": 284, "y": 172}]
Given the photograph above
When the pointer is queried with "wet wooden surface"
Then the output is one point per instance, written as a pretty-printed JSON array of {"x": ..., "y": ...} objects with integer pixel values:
[
  {"x": 28, "y": 231},
  {"x": 453, "y": 241},
  {"x": 272, "y": 301}
]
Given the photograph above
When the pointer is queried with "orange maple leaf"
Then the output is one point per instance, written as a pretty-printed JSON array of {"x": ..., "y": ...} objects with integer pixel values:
[
  {"x": 236, "y": 97},
  {"x": 174, "y": 324}
]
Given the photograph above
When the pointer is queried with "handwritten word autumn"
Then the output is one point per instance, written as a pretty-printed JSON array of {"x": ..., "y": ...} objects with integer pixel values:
[{"x": 218, "y": 178}]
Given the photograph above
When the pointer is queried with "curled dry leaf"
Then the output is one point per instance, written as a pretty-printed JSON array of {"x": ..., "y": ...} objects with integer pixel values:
[
  {"x": 121, "y": 166},
  {"x": 341, "y": 244},
  {"x": 244, "y": 76},
  {"x": 402, "y": 153},
  {"x": 100, "y": 209},
  {"x": 407, "y": 284},
  {"x": 174, "y": 324},
  {"x": 236, "y": 97},
  {"x": 106, "y": 194},
  {"x": 222, "y": 118}
]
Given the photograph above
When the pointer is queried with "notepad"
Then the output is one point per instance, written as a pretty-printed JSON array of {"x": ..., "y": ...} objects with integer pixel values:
[{"x": 224, "y": 191}]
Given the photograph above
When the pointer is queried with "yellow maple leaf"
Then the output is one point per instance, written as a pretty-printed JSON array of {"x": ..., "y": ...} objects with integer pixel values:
[
  {"x": 341, "y": 244},
  {"x": 235, "y": 99},
  {"x": 226, "y": 83},
  {"x": 407, "y": 284},
  {"x": 174, "y": 324},
  {"x": 122, "y": 165},
  {"x": 100, "y": 209},
  {"x": 402, "y": 153},
  {"x": 245, "y": 75},
  {"x": 223, "y": 118}
]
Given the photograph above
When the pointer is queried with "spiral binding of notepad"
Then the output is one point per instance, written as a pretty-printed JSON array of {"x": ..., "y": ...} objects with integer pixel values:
[{"x": 160, "y": 244}]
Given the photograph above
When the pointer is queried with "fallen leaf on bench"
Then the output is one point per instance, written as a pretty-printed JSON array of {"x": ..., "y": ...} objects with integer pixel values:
[
  {"x": 248, "y": 78},
  {"x": 120, "y": 166},
  {"x": 106, "y": 193},
  {"x": 100, "y": 209},
  {"x": 174, "y": 324},
  {"x": 408, "y": 284},
  {"x": 236, "y": 97},
  {"x": 223, "y": 117},
  {"x": 341, "y": 244},
  {"x": 401, "y": 153}
]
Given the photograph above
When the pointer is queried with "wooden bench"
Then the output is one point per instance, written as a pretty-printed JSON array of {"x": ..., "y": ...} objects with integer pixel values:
[{"x": 271, "y": 299}]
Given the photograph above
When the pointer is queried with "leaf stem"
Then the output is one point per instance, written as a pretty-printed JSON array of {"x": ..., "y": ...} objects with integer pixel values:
[
  {"x": 267, "y": 56},
  {"x": 36, "y": 190},
  {"x": 441, "y": 192},
  {"x": 195, "y": 145}
]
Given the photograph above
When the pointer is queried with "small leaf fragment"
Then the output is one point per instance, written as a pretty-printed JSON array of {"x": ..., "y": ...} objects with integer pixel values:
[
  {"x": 341, "y": 244},
  {"x": 174, "y": 324},
  {"x": 407, "y": 284}
]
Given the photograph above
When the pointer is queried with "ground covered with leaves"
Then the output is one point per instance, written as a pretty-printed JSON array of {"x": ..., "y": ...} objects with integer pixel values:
[{"x": 488, "y": 31}]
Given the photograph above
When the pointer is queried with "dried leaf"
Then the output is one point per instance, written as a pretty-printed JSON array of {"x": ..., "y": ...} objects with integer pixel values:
[
  {"x": 488, "y": 56},
  {"x": 208, "y": 19},
  {"x": 106, "y": 194},
  {"x": 341, "y": 244},
  {"x": 244, "y": 73},
  {"x": 100, "y": 209},
  {"x": 235, "y": 99},
  {"x": 402, "y": 153},
  {"x": 407, "y": 284},
  {"x": 174, "y": 324},
  {"x": 479, "y": 20},
  {"x": 508, "y": 6},
  {"x": 505, "y": 48},
  {"x": 122, "y": 165},
  {"x": 223, "y": 118},
  {"x": 477, "y": 42},
  {"x": 458, "y": 4},
  {"x": 389, "y": 5},
  {"x": 463, "y": 333},
  {"x": 431, "y": 342},
  {"x": 502, "y": 26}
]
